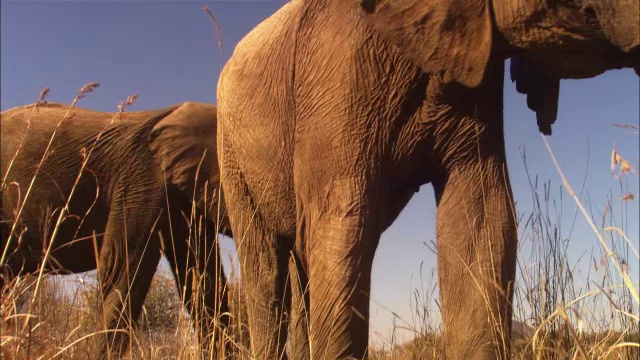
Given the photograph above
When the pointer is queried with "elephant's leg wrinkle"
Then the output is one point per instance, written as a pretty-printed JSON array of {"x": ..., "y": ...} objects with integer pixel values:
[{"x": 120, "y": 311}]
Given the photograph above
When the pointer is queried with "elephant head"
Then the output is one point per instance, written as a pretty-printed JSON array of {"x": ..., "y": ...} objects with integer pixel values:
[
  {"x": 547, "y": 40},
  {"x": 457, "y": 37}
]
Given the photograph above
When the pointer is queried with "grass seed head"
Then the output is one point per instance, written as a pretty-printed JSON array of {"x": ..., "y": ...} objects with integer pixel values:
[
  {"x": 43, "y": 94},
  {"x": 131, "y": 99},
  {"x": 88, "y": 88}
]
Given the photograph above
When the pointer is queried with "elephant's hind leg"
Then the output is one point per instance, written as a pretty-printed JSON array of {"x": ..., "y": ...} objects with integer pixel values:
[
  {"x": 128, "y": 260},
  {"x": 264, "y": 263}
]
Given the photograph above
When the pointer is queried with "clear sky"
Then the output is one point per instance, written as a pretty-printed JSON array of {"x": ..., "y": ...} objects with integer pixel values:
[{"x": 167, "y": 52}]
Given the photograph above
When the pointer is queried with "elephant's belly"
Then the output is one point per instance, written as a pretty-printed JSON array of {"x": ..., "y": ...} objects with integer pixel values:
[
  {"x": 75, "y": 257},
  {"x": 77, "y": 238}
]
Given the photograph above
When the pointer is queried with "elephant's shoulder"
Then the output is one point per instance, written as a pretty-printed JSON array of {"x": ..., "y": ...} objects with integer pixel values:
[
  {"x": 52, "y": 105},
  {"x": 192, "y": 123},
  {"x": 198, "y": 106}
]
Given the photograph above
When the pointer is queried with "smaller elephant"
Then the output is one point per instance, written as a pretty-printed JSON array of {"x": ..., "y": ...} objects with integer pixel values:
[{"x": 112, "y": 192}]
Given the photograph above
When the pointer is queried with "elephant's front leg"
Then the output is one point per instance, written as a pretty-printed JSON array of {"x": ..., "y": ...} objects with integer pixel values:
[
  {"x": 341, "y": 234},
  {"x": 128, "y": 260},
  {"x": 476, "y": 228},
  {"x": 476, "y": 260}
]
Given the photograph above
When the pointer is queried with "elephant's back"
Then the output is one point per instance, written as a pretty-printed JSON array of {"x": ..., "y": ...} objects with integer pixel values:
[
  {"x": 262, "y": 65},
  {"x": 51, "y": 134},
  {"x": 33, "y": 126},
  {"x": 30, "y": 128}
]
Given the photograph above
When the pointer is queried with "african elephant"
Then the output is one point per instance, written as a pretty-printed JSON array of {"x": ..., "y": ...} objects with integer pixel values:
[
  {"x": 332, "y": 113},
  {"x": 132, "y": 201}
]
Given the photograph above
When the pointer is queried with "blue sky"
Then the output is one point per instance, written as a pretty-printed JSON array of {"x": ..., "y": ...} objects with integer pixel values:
[{"x": 167, "y": 52}]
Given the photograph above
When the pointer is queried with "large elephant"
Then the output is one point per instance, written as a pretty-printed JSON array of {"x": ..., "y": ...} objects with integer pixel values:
[
  {"x": 332, "y": 113},
  {"x": 132, "y": 201}
]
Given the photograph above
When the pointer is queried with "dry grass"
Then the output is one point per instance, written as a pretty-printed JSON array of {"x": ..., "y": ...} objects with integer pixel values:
[
  {"x": 64, "y": 313},
  {"x": 63, "y": 317}
]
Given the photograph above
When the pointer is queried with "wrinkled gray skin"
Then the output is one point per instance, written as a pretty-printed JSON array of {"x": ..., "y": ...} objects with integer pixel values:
[
  {"x": 332, "y": 114},
  {"x": 134, "y": 194}
]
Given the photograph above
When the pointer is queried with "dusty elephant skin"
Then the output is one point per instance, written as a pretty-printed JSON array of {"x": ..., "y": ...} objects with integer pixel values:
[
  {"x": 332, "y": 114},
  {"x": 135, "y": 194}
]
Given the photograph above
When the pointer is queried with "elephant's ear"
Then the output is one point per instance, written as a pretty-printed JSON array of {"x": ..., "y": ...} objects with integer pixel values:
[
  {"x": 449, "y": 36},
  {"x": 184, "y": 143}
]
